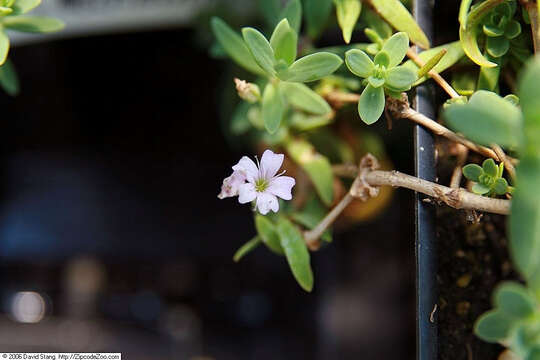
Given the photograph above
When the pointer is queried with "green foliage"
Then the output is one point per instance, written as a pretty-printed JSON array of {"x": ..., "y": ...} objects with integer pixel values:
[
  {"x": 310, "y": 215},
  {"x": 515, "y": 320},
  {"x": 303, "y": 98},
  {"x": 8, "y": 78},
  {"x": 347, "y": 12},
  {"x": 246, "y": 248},
  {"x": 500, "y": 27},
  {"x": 486, "y": 119},
  {"x": 399, "y": 17},
  {"x": 312, "y": 67},
  {"x": 316, "y": 166},
  {"x": 380, "y": 73},
  {"x": 273, "y": 108},
  {"x": 296, "y": 252},
  {"x": 33, "y": 24},
  {"x": 268, "y": 233},
  {"x": 488, "y": 178},
  {"x": 284, "y": 41},
  {"x": 316, "y": 13}
]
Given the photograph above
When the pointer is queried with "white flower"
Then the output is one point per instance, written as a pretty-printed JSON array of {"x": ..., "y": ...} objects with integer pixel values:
[{"x": 263, "y": 185}]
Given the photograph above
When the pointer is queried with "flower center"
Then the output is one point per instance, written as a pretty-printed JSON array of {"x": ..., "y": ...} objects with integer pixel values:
[{"x": 261, "y": 185}]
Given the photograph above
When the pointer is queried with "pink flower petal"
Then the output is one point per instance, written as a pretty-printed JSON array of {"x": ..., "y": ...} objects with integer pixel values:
[
  {"x": 231, "y": 184},
  {"x": 267, "y": 202},
  {"x": 281, "y": 186},
  {"x": 246, "y": 193},
  {"x": 270, "y": 164},
  {"x": 248, "y": 167}
]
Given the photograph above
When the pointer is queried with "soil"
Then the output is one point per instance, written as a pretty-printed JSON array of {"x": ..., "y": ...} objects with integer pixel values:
[{"x": 473, "y": 258}]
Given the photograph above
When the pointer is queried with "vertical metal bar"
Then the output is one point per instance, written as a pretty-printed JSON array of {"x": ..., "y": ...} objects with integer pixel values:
[{"x": 425, "y": 246}]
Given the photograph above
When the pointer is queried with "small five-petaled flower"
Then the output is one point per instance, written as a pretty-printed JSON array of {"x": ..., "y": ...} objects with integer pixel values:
[{"x": 259, "y": 182}]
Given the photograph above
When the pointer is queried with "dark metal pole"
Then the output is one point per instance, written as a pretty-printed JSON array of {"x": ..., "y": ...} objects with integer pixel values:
[{"x": 425, "y": 249}]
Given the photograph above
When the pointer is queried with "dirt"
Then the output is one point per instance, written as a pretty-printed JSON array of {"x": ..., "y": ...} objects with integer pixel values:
[{"x": 473, "y": 258}]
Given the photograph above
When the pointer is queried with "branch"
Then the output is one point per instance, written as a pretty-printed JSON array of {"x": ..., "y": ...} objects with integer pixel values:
[
  {"x": 400, "y": 109},
  {"x": 433, "y": 74},
  {"x": 368, "y": 179}
]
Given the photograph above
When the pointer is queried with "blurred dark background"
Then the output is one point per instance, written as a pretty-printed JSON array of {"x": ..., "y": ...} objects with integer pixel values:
[{"x": 112, "y": 238}]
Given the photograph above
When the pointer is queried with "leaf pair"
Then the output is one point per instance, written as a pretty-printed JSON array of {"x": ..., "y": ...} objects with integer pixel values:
[
  {"x": 381, "y": 73},
  {"x": 277, "y": 57}
]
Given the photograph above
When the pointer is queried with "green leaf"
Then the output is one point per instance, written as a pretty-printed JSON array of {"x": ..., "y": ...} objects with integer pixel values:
[
  {"x": 4, "y": 47},
  {"x": 489, "y": 167},
  {"x": 359, "y": 63},
  {"x": 472, "y": 172},
  {"x": 24, "y": 6},
  {"x": 239, "y": 121},
  {"x": 480, "y": 189},
  {"x": 530, "y": 104},
  {"x": 273, "y": 108},
  {"x": 234, "y": 46},
  {"x": 293, "y": 13},
  {"x": 493, "y": 326},
  {"x": 316, "y": 166},
  {"x": 375, "y": 81},
  {"x": 497, "y": 46},
  {"x": 400, "y": 78},
  {"x": 33, "y": 24},
  {"x": 396, "y": 47},
  {"x": 261, "y": 50},
  {"x": 270, "y": 10},
  {"x": 283, "y": 42},
  {"x": 376, "y": 23},
  {"x": 347, "y": 12},
  {"x": 316, "y": 13},
  {"x": 268, "y": 234},
  {"x": 488, "y": 79},
  {"x": 430, "y": 64},
  {"x": 513, "y": 29},
  {"x": 525, "y": 217},
  {"x": 310, "y": 216},
  {"x": 453, "y": 54},
  {"x": 399, "y": 17},
  {"x": 491, "y": 30},
  {"x": 463, "y": 12},
  {"x": 313, "y": 67},
  {"x": 501, "y": 186},
  {"x": 304, "y": 122},
  {"x": 514, "y": 300},
  {"x": 371, "y": 104},
  {"x": 303, "y": 98},
  {"x": 246, "y": 248},
  {"x": 382, "y": 58},
  {"x": 486, "y": 118},
  {"x": 296, "y": 252},
  {"x": 8, "y": 78}
]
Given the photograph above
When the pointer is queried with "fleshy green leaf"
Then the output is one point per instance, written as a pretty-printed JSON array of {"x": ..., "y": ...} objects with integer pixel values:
[
  {"x": 268, "y": 234},
  {"x": 304, "y": 122},
  {"x": 488, "y": 79},
  {"x": 293, "y": 13},
  {"x": 371, "y": 104},
  {"x": 480, "y": 189},
  {"x": 497, "y": 46},
  {"x": 399, "y": 17},
  {"x": 490, "y": 167},
  {"x": 316, "y": 166},
  {"x": 382, "y": 58},
  {"x": 283, "y": 42},
  {"x": 4, "y": 47},
  {"x": 261, "y": 50},
  {"x": 486, "y": 118},
  {"x": 347, "y": 12},
  {"x": 396, "y": 47},
  {"x": 313, "y": 67},
  {"x": 24, "y": 6},
  {"x": 303, "y": 98},
  {"x": 525, "y": 218},
  {"x": 359, "y": 63},
  {"x": 453, "y": 54},
  {"x": 493, "y": 326},
  {"x": 530, "y": 104},
  {"x": 514, "y": 300},
  {"x": 375, "y": 81},
  {"x": 430, "y": 64},
  {"x": 234, "y": 46},
  {"x": 400, "y": 78},
  {"x": 33, "y": 24},
  {"x": 246, "y": 248},
  {"x": 296, "y": 252},
  {"x": 316, "y": 13},
  {"x": 472, "y": 172},
  {"x": 273, "y": 108},
  {"x": 513, "y": 29},
  {"x": 8, "y": 78}
]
